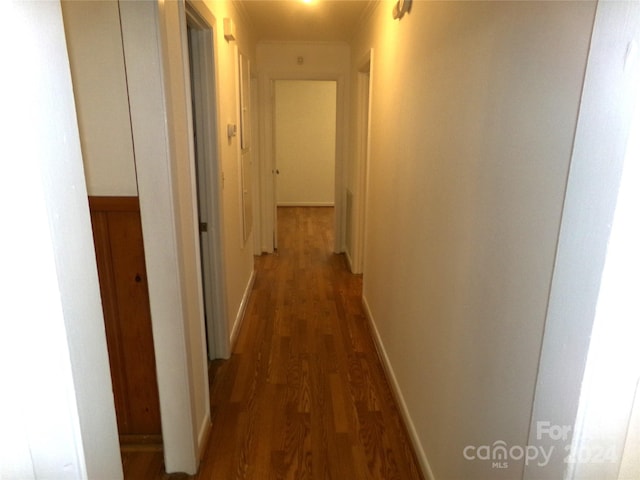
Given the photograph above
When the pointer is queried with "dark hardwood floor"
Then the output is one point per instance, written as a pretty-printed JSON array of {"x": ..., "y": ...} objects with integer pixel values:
[{"x": 304, "y": 395}]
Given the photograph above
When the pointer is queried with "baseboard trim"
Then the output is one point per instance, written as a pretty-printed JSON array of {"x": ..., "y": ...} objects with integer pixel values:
[
  {"x": 240, "y": 315},
  {"x": 397, "y": 393},
  {"x": 347, "y": 255},
  {"x": 203, "y": 437}
]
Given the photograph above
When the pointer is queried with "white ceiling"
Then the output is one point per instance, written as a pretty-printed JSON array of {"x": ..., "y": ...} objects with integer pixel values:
[{"x": 294, "y": 20}]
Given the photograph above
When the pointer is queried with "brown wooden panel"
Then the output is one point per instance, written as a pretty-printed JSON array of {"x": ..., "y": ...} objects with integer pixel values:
[
  {"x": 100, "y": 226},
  {"x": 114, "y": 204},
  {"x": 136, "y": 338},
  {"x": 125, "y": 300}
]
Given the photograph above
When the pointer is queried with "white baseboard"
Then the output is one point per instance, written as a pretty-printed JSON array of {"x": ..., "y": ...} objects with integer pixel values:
[
  {"x": 395, "y": 387},
  {"x": 241, "y": 310},
  {"x": 203, "y": 435},
  {"x": 349, "y": 261}
]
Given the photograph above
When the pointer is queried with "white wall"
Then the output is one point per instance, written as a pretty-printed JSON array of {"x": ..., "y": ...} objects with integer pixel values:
[
  {"x": 94, "y": 42},
  {"x": 474, "y": 109},
  {"x": 57, "y": 411},
  {"x": 279, "y": 61},
  {"x": 305, "y": 124}
]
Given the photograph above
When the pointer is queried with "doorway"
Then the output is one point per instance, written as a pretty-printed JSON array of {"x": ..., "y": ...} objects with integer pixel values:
[
  {"x": 201, "y": 76},
  {"x": 305, "y": 144}
]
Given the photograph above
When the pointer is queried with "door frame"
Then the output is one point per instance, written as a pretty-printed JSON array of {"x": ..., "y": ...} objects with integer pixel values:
[
  {"x": 205, "y": 126},
  {"x": 268, "y": 160},
  {"x": 255, "y": 161},
  {"x": 570, "y": 343},
  {"x": 275, "y": 157},
  {"x": 363, "y": 156}
]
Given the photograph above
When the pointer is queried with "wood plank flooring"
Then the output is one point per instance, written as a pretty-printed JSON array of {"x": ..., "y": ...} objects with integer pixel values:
[{"x": 304, "y": 395}]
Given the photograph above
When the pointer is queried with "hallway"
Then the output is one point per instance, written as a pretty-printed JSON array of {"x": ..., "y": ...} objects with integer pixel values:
[{"x": 304, "y": 395}]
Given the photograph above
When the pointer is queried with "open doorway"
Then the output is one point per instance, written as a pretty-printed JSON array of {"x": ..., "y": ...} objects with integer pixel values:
[
  {"x": 305, "y": 144},
  {"x": 200, "y": 38}
]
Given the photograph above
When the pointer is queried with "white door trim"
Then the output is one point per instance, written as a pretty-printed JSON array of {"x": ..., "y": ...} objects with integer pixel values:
[
  {"x": 597, "y": 159},
  {"x": 206, "y": 102},
  {"x": 363, "y": 153},
  {"x": 142, "y": 43}
]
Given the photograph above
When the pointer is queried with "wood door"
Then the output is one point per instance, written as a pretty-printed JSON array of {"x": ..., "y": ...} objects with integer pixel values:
[{"x": 117, "y": 233}]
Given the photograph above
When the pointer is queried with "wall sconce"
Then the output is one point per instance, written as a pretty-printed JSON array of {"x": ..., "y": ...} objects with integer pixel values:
[
  {"x": 229, "y": 29},
  {"x": 400, "y": 8}
]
